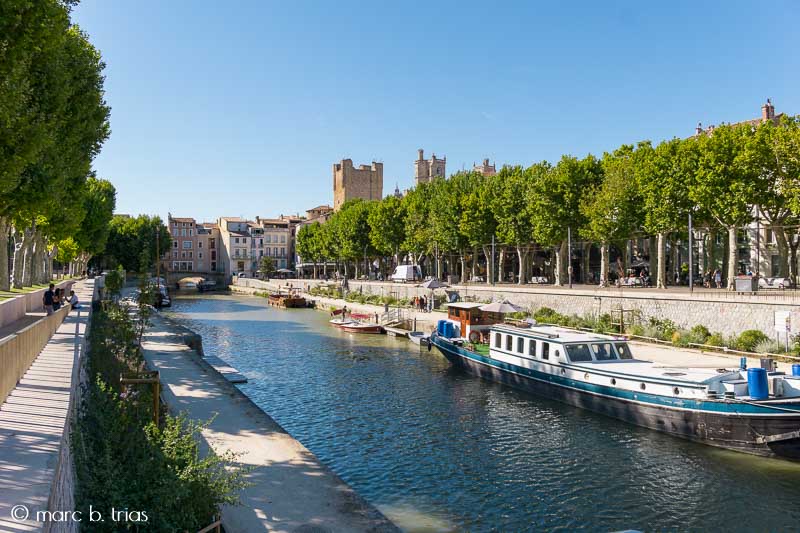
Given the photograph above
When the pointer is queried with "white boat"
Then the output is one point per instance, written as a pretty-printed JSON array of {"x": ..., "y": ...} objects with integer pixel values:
[
  {"x": 419, "y": 338},
  {"x": 754, "y": 411}
]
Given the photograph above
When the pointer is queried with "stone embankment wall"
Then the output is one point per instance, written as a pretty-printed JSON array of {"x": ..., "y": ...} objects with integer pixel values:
[
  {"x": 421, "y": 320},
  {"x": 719, "y": 311}
]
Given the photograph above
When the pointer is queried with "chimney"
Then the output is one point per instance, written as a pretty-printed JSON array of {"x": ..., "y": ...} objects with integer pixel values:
[
  {"x": 767, "y": 111},
  {"x": 486, "y": 162},
  {"x": 699, "y": 129},
  {"x": 421, "y": 154}
]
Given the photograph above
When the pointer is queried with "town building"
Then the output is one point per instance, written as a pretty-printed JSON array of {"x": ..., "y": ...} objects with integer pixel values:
[
  {"x": 272, "y": 237},
  {"x": 235, "y": 255},
  {"x": 485, "y": 168},
  {"x": 324, "y": 211},
  {"x": 193, "y": 246},
  {"x": 365, "y": 182},
  {"x": 427, "y": 169}
]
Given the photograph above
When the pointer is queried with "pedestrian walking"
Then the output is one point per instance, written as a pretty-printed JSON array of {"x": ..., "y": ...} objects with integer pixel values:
[
  {"x": 718, "y": 278},
  {"x": 47, "y": 300}
]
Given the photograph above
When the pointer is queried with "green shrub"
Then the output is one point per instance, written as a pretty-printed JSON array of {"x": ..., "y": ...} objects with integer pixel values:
[
  {"x": 548, "y": 316},
  {"x": 662, "y": 328},
  {"x": 604, "y": 325},
  {"x": 636, "y": 329},
  {"x": 769, "y": 346},
  {"x": 748, "y": 340},
  {"x": 700, "y": 332},
  {"x": 123, "y": 460},
  {"x": 716, "y": 339}
]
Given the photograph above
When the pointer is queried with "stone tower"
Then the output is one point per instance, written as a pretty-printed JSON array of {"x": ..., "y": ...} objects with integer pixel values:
[
  {"x": 485, "y": 168},
  {"x": 426, "y": 170},
  {"x": 364, "y": 182}
]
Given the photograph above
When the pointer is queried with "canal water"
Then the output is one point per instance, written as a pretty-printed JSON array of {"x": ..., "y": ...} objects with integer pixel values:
[{"x": 438, "y": 450}]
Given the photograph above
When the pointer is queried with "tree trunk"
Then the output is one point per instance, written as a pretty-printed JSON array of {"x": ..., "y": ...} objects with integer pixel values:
[
  {"x": 19, "y": 254},
  {"x": 560, "y": 271},
  {"x": 604, "y": 265},
  {"x": 783, "y": 253},
  {"x": 463, "y": 260},
  {"x": 793, "y": 243},
  {"x": 732, "y": 249},
  {"x": 51, "y": 255},
  {"x": 661, "y": 272},
  {"x": 5, "y": 283},
  {"x": 487, "y": 254},
  {"x": 522, "y": 253},
  {"x": 501, "y": 265},
  {"x": 27, "y": 257},
  {"x": 474, "y": 266}
]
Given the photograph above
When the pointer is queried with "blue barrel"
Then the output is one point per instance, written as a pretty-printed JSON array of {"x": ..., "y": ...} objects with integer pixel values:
[
  {"x": 796, "y": 370},
  {"x": 743, "y": 363},
  {"x": 449, "y": 330},
  {"x": 440, "y": 327},
  {"x": 757, "y": 383}
]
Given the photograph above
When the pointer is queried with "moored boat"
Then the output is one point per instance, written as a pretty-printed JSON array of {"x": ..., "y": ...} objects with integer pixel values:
[
  {"x": 354, "y": 323},
  {"x": 419, "y": 338},
  {"x": 289, "y": 299},
  {"x": 753, "y": 411}
]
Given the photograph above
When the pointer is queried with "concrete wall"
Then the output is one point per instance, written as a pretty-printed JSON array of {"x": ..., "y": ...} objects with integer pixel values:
[{"x": 13, "y": 309}]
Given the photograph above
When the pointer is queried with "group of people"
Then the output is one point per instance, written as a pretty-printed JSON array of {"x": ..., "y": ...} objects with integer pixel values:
[
  {"x": 54, "y": 299},
  {"x": 422, "y": 304},
  {"x": 714, "y": 278}
]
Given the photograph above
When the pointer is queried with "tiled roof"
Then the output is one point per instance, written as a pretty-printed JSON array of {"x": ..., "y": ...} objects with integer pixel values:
[{"x": 178, "y": 219}]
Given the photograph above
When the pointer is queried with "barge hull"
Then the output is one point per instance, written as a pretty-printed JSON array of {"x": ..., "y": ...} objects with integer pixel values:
[{"x": 743, "y": 433}]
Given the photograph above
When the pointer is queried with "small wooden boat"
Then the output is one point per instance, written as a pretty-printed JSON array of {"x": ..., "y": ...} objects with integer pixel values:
[
  {"x": 355, "y": 325},
  {"x": 290, "y": 299}
]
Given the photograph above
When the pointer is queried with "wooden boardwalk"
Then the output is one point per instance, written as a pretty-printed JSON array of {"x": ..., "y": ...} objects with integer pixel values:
[{"x": 33, "y": 419}]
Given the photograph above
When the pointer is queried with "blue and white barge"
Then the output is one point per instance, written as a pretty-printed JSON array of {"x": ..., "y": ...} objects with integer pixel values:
[{"x": 753, "y": 411}]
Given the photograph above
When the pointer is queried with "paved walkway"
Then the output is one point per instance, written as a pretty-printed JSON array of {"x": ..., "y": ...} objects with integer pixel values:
[
  {"x": 33, "y": 419},
  {"x": 291, "y": 490}
]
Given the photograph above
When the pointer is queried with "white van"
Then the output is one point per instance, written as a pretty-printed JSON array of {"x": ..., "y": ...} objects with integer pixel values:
[{"x": 405, "y": 273}]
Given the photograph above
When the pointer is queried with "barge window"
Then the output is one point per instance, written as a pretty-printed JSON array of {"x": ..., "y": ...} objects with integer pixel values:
[
  {"x": 545, "y": 350},
  {"x": 624, "y": 351},
  {"x": 497, "y": 340},
  {"x": 509, "y": 343},
  {"x": 532, "y": 348},
  {"x": 603, "y": 351},
  {"x": 579, "y": 353},
  {"x": 520, "y": 344}
]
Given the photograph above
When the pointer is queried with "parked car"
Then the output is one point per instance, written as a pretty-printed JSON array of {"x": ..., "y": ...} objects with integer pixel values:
[{"x": 241, "y": 275}]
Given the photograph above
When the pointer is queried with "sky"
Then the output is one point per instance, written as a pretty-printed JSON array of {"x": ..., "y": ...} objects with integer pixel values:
[{"x": 240, "y": 108}]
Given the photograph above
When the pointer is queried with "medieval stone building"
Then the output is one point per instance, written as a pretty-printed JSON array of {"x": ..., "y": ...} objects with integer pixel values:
[{"x": 364, "y": 182}]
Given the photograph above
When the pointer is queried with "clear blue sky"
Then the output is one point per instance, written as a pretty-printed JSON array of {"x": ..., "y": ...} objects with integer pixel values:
[{"x": 240, "y": 108}]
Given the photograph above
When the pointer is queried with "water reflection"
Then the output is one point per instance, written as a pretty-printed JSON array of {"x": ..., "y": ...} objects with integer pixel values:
[{"x": 439, "y": 450}]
